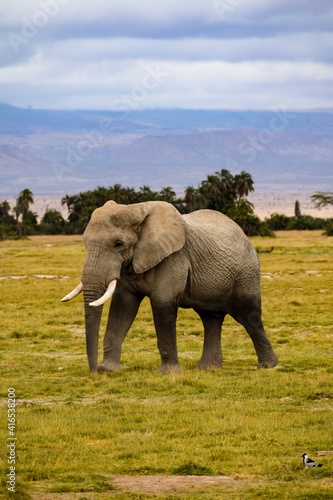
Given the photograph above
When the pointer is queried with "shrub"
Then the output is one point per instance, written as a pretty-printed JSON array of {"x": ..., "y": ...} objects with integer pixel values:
[
  {"x": 329, "y": 228},
  {"x": 281, "y": 222},
  {"x": 306, "y": 222},
  {"x": 278, "y": 222},
  {"x": 252, "y": 226}
]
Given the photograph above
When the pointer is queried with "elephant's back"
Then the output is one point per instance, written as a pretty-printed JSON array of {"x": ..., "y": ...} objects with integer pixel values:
[
  {"x": 212, "y": 221},
  {"x": 221, "y": 258},
  {"x": 221, "y": 238}
]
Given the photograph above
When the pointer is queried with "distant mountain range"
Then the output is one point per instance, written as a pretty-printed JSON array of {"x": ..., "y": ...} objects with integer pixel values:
[{"x": 64, "y": 152}]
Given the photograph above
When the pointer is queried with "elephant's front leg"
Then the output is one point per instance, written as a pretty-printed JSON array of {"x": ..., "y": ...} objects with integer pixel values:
[
  {"x": 123, "y": 309},
  {"x": 165, "y": 317}
]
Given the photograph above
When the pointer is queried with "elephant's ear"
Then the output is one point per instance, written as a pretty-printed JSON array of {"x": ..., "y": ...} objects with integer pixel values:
[{"x": 162, "y": 231}]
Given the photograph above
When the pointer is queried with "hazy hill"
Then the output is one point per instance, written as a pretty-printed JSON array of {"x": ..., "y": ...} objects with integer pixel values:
[
  {"x": 58, "y": 152},
  {"x": 159, "y": 120}
]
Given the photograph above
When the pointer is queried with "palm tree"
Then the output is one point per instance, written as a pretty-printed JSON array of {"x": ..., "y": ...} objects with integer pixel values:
[
  {"x": 210, "y": 192},
  {"x": 54, "y": 220},
  {"x": 23, "y": 201},
  {"x": 218, "y": 191},
  {"x": 4, "y": 209},
  {"x": 130, "y": 195},
  {"x": 146, "y": 194},
  {"x": 53, "y": 216},
  {"x": 243, "y": 184},
  {"x": 190, "y": 198},
  {"x": 167, "y": 194},
  {"x": 100, "y": 196},
  {"x": 226, "y": 183},
  {"x": 68, "y": 201},
  {"x": 117, "y": 193},
  {"x": 242, "y": 209}
]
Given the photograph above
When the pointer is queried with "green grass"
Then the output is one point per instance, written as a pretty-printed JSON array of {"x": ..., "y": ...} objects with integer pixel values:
[{"x": 74, "y": 431}]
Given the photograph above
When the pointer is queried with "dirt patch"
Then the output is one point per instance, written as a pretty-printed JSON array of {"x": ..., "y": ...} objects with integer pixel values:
[
  {"x": 152, "y": 485},
  {"x": 170, "y": 484}
]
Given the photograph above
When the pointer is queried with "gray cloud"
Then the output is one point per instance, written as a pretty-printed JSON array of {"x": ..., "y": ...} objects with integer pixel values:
[
  {"x": 167, "y": 19},
  {"x": 215, "y": 53}
]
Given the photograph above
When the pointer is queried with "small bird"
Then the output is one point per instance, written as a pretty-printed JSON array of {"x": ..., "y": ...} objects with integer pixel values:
[
  {"x": 267, "y": 250},
  {"x": 309, "y": 463}
]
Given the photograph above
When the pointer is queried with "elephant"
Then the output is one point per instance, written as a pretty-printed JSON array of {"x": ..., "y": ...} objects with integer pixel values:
[{"x": 201, "y": 260}]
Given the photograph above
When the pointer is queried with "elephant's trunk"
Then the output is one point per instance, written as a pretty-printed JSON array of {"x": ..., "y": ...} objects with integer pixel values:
[
  {"x": 93, "y": 289},
  {"x": 93, "y": 320},
  {"x": 93, "y": 313}
]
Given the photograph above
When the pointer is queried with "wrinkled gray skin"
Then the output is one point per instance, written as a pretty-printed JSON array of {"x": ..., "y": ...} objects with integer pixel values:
[{"x": 201, "y": 260}]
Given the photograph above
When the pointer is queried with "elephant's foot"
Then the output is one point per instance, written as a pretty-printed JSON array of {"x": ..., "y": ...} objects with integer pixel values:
[
  {"x": 206, "y": 364},
  {"x": 167, "y": 368},
  {"x": 269, "y": 361},
  {"x": 109, "y": 366}
]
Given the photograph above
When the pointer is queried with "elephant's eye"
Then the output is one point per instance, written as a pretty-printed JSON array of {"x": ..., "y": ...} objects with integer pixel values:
[{"x": 118, "y": 244}]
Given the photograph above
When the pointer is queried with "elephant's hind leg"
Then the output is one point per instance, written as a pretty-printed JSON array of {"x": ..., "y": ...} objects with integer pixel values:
[
  {"x": 212, "y": 351},
  {"x": 248, "y": 314}
]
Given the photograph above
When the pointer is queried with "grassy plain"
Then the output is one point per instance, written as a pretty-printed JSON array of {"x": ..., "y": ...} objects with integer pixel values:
[{"x": 78, "y": 435}]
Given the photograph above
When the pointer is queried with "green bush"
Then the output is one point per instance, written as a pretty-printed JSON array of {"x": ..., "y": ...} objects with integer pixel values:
[
  {"x": 252, "y": 226},
  {"x": 281, "y": 222},
  {"x": 329, "y": 228},
  {"x": 7, "y": 231},
  {"x": 278, "y": 222},
  {"x": 306, "y": 222}
]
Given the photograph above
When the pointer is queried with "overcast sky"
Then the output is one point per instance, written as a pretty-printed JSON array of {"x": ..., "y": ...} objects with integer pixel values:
[{"x": 208, "y": 54}]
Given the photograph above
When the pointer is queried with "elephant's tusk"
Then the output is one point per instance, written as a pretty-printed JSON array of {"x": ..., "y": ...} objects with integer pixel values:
[
  {"x": 73, "y": 293},
  {"x": 106, "y": 296}
]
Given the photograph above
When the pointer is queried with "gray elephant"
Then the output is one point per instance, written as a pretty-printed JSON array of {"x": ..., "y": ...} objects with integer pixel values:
[{"x": 201, "y": 260}]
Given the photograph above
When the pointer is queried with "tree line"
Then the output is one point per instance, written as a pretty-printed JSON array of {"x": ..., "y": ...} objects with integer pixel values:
[{"x": 221, "y": 191}]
